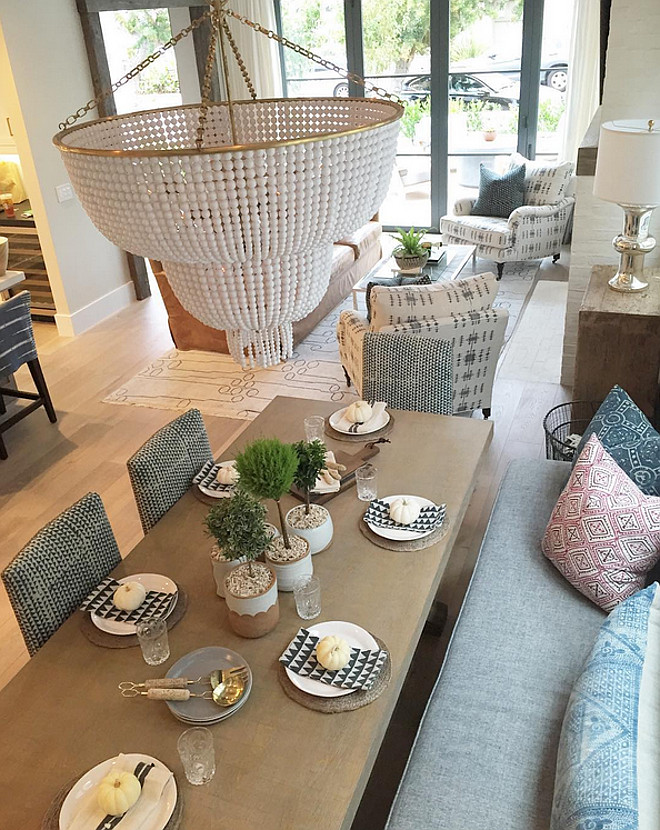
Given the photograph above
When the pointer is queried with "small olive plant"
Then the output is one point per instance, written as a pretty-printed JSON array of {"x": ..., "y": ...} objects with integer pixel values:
[
  {"x": 410, "y": 242},
  {"x": 238, "y": 525},
  {"x": 311, "y": 460},
  {"x": 267, "y": 468}
]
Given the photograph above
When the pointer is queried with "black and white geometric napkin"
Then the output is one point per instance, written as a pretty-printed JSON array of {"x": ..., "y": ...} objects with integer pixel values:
[
  {"x": 156, "y": 603},
  {"x": 360, "y": 672},
  {"x": 430, "y": 518},
  {"x": 207, "y": 478}
]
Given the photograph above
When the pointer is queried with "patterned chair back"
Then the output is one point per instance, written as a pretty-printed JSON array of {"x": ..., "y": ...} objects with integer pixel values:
[
  {"x": 58, "y": 567},
  {"x": 17, "y": 344},
  {"x": 162, "y": 470}
]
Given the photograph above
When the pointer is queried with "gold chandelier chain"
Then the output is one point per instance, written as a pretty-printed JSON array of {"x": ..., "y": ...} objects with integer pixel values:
[
  {"x": 306, "y": 53},
  {"x": 106, "y": 93}
]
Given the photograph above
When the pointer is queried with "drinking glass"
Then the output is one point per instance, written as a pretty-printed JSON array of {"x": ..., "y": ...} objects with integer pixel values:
[
  {"x": 314, "y": 428},
  {"x": 197, "y": 754},
  {"x": 152, "y": 636},
  {"x": 307, "y": 594},
  {"x": 366, "y": 479}
]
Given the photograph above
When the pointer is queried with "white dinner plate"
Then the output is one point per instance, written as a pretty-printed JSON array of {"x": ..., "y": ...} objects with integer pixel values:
[
  {"x": 158, "y": 819},
  {"x": 399, "y": 534},
  {"x": 151, "y": 582},
  {"x": 355, "y": 636},
  {"x": 224, "y": 713},
  {"x": 379, "y": 422},
  {"x": 219, "y": 494}
]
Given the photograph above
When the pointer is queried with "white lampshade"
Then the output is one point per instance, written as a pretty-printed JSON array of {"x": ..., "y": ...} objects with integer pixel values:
[{"x": 628, "y": 166}]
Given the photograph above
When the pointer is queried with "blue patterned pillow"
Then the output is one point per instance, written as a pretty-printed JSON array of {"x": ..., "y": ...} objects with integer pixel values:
[
  {"x": 500, "y": 195},
  {"x": 598, "y": 769},
  {"x": 625, "y": 432}
]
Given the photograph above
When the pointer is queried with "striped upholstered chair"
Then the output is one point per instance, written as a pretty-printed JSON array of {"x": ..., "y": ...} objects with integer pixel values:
[
  {"x": 17, "y": 347},
  {"x": 162, "y": 470},
  {"x": 58, "y": 567}
]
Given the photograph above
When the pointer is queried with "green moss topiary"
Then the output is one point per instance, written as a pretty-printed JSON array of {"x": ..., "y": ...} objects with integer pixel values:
[{"x": 311, "y": 460}]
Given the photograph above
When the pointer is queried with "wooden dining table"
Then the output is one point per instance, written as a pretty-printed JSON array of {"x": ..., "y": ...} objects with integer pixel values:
[{"x": 279, "y": 764}]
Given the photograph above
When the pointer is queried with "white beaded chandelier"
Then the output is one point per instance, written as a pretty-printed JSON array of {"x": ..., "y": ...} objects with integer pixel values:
[{"x": 240, "y": 200}]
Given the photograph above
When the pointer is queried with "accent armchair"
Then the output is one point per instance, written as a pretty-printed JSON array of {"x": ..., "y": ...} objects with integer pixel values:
[
  {"x": 533, "y": 231},
  {"x": 447, "y": 339}
]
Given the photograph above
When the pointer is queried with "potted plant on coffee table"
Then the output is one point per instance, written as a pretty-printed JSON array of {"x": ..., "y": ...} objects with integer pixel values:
[
  {"x": 311, "y": 521},
  {"x": 410, "y": 253},
  {"x": 250, "y": 588},
  {"x": 267, "y": 468}
]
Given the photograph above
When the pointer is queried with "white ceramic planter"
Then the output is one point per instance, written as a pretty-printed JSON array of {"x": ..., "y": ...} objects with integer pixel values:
[
  {"x": 254, "y": 616},
  {"x": 221, "y": 569},
  {"x": 288, "y": 573},
  {"x": 4, "y": 255},
  {"x": 319, "y": 538}
]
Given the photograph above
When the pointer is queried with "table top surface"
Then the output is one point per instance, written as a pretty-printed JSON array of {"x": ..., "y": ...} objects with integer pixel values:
[
  {"x": 601, "y": 299},
  {"x": 11, "y": 278},
  {"x": 279, "y": 765},
  {"x": 457, "y": 258}
]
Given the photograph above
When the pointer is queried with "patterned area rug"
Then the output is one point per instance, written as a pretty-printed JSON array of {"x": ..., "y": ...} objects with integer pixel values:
[{"x": 217, "y": 386}]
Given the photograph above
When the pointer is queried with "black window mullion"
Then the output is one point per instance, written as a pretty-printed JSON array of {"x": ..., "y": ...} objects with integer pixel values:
[
  {"x": 530, "y": 76},
  {"x": 354, "y": 44},
  {"x": 439, "y": 23}
]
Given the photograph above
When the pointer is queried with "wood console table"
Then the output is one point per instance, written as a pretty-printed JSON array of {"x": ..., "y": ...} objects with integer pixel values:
[{"x": 619, "y": 342}]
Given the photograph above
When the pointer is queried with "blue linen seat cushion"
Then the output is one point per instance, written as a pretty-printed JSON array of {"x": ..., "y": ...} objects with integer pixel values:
[
  {"x": 627, "y": 435},
  {"x": 500, "y": 194},
  {"x": 607, "y": 767}
]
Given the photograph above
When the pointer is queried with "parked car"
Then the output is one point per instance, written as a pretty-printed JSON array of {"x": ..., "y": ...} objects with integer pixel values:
[
  {"x": 554, "y": 67},
  {"x": 462, "y": 87}
]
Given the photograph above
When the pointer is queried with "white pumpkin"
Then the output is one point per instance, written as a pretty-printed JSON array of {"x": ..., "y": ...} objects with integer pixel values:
[
  {"x": 118, "y": 792},
  {"x": 359, "y": 412},
  {"x": 129, "y": 596},
  {"x": 227, "y": 475},
  {"x": 333, "y": 653},
  {"x": 404, "y": 511}
]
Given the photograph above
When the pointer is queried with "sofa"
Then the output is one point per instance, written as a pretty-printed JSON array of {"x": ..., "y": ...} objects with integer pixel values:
[
  {"x": 352, "y": 258},
  {"x": 486, "y": 751}
]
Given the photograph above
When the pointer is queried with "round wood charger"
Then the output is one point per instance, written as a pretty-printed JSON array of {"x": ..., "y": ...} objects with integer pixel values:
[
  {"x": 51, "y": 820},
  {"x": 105, "y": 640},
  {"x": 346, "y": 703}
]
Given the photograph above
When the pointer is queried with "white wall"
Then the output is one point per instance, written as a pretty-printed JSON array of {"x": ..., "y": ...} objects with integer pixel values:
[
  {"x": 632, "y": 90},
  {"x": 44, "y": 76}
]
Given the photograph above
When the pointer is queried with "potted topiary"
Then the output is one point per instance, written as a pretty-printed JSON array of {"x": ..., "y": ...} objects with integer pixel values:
[
  {"x": 410, "y": 253},
  {"x": 267, "y": 467},
  {"x": 250, "y": 588},
  {"x": 311, "y": 521}
]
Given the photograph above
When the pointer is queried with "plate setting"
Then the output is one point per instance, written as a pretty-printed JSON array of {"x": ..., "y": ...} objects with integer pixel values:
[
  {"x": 151, "y": 582},
  {"x": 207, "y": 482},
  {"x": 380, "y": 422},
  {"x": 400, "y": 533}
]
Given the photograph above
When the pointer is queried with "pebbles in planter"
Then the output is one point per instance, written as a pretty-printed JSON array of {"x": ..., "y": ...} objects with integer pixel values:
[
  {"x": 315, "y": 526},
  {"x": 290, "y": 564},
  {"x": 278, "y": 553},
  {"x": 252, "y": 603}
]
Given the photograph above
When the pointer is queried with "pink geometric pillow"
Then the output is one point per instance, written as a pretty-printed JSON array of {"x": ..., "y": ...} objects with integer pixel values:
[{"x": 604, "y": 533}]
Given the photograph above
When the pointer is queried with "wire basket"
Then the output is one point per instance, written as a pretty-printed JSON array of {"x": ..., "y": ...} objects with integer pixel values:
[{"x": 567, "y": 419}]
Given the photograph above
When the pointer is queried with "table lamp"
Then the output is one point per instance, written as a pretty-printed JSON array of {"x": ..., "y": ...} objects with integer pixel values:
[{"x": 628, "y": 173}]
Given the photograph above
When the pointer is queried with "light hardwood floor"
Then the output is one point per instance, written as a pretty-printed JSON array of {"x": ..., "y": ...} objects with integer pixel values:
[{"x": 50, "y": 466}]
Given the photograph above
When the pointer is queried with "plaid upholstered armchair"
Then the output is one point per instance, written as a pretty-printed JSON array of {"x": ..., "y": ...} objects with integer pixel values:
[
  {"x": 533, "y": 231},
  {"x": 456, "y": 315}
]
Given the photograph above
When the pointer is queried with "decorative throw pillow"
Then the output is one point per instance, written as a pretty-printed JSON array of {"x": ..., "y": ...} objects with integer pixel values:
[
  {"x": 609, "y": 753},
  {"x": 500, "y": 194},
  {"x": 604, "y": 533},
  {"x": 625, "y": 432},
  {"x": 423, "y": 280},
  {"x": 545, "y": 183}
]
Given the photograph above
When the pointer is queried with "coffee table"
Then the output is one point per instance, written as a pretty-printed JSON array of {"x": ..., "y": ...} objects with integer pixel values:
[
  {"x": 457, "y": 257},
  {"x": 279, "y": 765}
]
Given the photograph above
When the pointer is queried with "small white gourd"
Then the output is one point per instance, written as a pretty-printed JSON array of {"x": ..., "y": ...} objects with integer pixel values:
[
  {"x": 359, "y": 412},
  {"x": 118, "y": 792},
  {"x": 227, "y": 475},
  {"x": 404, "y": 511},
  {"x": 333, "y": 653},
  {"x": 129, "y": 596}
]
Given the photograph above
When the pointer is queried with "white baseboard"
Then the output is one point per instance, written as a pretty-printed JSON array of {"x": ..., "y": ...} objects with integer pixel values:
[{"x": 70, "y": 325}]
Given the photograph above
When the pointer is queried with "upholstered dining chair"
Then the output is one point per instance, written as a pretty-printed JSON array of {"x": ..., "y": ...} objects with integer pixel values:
[
  {"x": 162, "y": 470},
  {"x": 17, "y": 347},
  {"x": 58, "y": 568}
]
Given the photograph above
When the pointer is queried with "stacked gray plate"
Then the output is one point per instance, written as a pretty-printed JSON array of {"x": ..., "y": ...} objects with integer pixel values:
[{"x": 201, "y": 663}]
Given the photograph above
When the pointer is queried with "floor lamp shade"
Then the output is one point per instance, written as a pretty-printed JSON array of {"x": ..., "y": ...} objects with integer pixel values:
[{"x": 628, "y": 173}]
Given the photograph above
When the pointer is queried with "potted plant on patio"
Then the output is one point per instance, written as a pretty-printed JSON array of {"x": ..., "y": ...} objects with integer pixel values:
[
  {"x": 410, "y": 253},
  {"x": 311, "y": 521},
  {"x": 250, "y": 588},
  {"x": 267, "y": 468}
]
